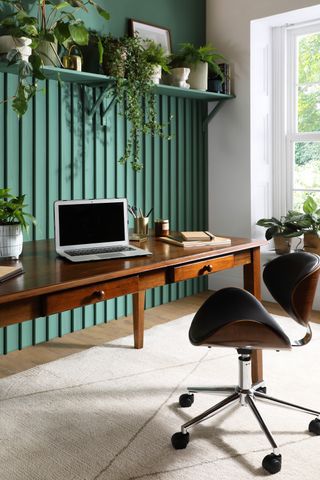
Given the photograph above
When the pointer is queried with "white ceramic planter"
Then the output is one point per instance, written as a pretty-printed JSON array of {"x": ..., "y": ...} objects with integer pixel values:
[
  {"x": 198, "y": 78},
  {"x": 156, "y": 76},
  {"x": 11, "y": 240},
  {"x": 48, "y": 54},
  {"x": 178, "y": 77},
  {"x": 7, "y": 43}
]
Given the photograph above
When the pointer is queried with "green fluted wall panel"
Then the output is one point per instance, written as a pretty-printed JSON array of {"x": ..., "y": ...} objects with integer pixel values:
[{"x": 57, "y": 152}]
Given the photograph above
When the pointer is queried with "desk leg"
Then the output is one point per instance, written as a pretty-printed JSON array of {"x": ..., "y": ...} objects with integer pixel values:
[
  {"x": 252, "y": 283},
  {"x": 138, "y": 318}
]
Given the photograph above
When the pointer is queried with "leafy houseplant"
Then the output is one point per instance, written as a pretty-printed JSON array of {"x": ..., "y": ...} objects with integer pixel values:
[
  {"x": 198, "y": 60},
  {"x": 129, "y": 63},
  {"x": 55, "y": 24},
  {"x": 281, "y": 230},
  {"x": 13, "y": 219},
  {"x": 156, "y": 56},
  {"x": 309, "y": 223}
]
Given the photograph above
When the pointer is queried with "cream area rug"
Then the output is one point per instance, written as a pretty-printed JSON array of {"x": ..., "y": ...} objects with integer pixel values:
[{"x": 108, "y": 413}]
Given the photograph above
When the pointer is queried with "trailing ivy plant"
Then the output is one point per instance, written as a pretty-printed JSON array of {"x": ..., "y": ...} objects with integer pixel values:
[{"x": 133, "y": 92}]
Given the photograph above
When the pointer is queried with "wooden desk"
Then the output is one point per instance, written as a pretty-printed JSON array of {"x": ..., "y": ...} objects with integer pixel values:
[{"x": 53, "y": 285}]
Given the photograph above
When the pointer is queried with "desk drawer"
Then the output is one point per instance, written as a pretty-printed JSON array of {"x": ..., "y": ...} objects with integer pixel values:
[
  {"x": 198, "y": 269},
  {"x": 88, "y": 295}
]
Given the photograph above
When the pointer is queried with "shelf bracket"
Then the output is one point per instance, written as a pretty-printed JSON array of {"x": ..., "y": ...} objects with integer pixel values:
[
  {"x": 99, "y": 100},
  {"x": 212, "y": 114}
]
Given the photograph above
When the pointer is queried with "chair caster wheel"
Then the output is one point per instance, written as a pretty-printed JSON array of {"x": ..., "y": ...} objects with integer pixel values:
[
  {"x": 314, "y": 426},
  {"x": 186, "y": 400},
  {"x": 180, "y": 440},
  {"x": 272, "y": 463},
  {"x": 262, "y": 389}
]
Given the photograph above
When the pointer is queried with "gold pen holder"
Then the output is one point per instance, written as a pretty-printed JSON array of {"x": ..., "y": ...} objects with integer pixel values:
[{"x": 141, "y": 225}]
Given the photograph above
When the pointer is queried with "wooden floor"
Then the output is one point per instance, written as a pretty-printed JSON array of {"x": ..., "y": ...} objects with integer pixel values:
[{"x": 74, "y": 342}]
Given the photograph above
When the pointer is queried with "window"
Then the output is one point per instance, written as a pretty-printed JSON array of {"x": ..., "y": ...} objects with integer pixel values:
[{"x": 302, "y": 139}]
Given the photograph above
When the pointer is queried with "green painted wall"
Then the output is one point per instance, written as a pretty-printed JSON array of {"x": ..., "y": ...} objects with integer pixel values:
[{"x": 57, "y": 152}]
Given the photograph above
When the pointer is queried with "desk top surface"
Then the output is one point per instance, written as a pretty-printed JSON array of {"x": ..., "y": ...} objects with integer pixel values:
[{"x": 45, "y": 272}]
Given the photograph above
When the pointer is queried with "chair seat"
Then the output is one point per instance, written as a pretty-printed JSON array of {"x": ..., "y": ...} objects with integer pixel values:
[{"x": 233, "y": 317}]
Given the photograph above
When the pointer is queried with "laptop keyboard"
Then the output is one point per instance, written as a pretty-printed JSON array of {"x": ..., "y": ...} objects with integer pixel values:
[{"x": 97, "y": 251}]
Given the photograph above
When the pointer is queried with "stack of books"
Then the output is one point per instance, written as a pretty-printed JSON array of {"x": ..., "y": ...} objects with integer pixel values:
[
  {"x": 195, "y": 239},
  {"x": 9, "y": 272}
]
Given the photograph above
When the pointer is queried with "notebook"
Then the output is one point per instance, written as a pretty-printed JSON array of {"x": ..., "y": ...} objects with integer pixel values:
[{"x": 88, "y": 230}]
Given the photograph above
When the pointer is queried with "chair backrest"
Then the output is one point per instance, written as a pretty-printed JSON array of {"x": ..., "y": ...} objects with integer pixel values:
[{"x": 292, "y": 281}]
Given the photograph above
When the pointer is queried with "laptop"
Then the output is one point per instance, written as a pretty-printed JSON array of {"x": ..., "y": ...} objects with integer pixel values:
[{"x": 88, "y": 230}]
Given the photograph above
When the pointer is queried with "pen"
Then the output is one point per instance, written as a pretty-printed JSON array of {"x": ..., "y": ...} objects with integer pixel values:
[
  {"x": 149, "y": 212},
  {"x": 140, "y": 213}
]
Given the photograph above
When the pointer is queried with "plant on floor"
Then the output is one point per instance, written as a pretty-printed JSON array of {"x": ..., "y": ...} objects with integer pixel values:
[
  {"x": 133, "y": 91},
  {"x": 56, "y": 24}
]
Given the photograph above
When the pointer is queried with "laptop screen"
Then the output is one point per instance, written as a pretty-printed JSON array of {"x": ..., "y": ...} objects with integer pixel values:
[{"x": 91, "y": 222}]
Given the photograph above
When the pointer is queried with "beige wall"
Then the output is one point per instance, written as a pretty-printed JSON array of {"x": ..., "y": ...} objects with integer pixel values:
[{"x": 228, "y": 28}]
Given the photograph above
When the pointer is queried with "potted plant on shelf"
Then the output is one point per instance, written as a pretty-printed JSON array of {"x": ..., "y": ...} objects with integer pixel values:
[
  {"x": 156, "y": 56},
  {"x": 127, "y": 60},
  {"x": 281, "y": 231},
  {"x": 199, "y": 60},
  {"x": 56, "y": 24},
  {"x": 13, "y": 219}
]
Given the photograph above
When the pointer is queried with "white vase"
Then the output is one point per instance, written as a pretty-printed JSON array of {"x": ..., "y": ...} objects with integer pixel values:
[
  {"x": 8, "y": 42},
  {"x": 156, "y": 75},
  {"x": 11, "y": 240},
  {"x": 198, "y": 78},
  {"x": 48, "y": 54},
  {"x": 178, "y": 77}
]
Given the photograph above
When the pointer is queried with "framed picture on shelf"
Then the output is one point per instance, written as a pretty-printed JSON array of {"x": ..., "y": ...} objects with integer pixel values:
[{"x": 147, "y": 31}]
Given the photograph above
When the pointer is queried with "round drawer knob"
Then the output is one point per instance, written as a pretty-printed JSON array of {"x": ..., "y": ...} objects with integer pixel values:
[
  {"x": 99, "y": 294},
  {"x": 208, "y": 268}
]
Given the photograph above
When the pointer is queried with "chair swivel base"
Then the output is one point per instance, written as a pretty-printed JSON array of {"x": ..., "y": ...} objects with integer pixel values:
[{"x": 244, "y": 394}]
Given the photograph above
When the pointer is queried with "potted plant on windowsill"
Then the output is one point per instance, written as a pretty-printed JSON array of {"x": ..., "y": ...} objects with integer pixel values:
[
  {"x": 199, "y": 60},
  {"x": 309, "y": 223},
  {"x": 56, "y": 24},
  {"x": 281, "y": 231},
  {"x": 13, "y": 219}
]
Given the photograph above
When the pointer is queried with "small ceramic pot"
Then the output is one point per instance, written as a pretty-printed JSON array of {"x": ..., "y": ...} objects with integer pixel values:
[
  {"x": 8, "y": 42},
  {"x": 156, "y": 76},
  {"x": 178, "y": 77},
  {"x": 49, "y": 54},
  {"x": 311, "y": 243},
  {"x": 282, "y": 244},
  {"x": 11, "y": 240},
  {"x": 198, "y": 78}
]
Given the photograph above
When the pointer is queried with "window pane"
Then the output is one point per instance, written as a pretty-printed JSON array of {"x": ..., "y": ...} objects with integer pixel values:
[
  {"x": 309, "y": 83},
  {"x": 306, "y": 176}
]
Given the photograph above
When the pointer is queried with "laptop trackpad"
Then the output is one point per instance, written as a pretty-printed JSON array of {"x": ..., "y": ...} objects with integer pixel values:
[{"x": 110, "y": 255}]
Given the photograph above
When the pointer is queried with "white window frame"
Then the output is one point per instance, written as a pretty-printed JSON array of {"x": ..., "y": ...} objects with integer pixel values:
[{"x": 284, "y": 104}]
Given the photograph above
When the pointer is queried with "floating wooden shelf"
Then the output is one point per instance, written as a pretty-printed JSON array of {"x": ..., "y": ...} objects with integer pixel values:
[{"x": 96, "y": 80}]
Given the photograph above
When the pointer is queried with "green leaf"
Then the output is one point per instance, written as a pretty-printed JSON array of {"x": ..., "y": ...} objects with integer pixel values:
[
  {"x": 61, "y": 32},
  {"x": 104, "y": 14},
  {"x": 79, "y": 33},
  {"x": 271, "y": 232},
  {"x": 309, "y": 206},
  {"x": 61, "y": 5}
]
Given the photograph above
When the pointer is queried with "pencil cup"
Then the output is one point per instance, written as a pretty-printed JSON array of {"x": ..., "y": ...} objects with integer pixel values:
[{"x": 141, "y": 225}]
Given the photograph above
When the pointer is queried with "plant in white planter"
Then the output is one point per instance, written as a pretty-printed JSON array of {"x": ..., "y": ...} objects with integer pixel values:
[
  {"x": 156, "y": 56},
  {"x": 199, "y": 60},
  {"x": 13, "y": 219}
]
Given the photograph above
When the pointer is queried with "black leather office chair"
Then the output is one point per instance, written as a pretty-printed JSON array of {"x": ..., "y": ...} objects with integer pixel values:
[{"x": 232, "y": 317}]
